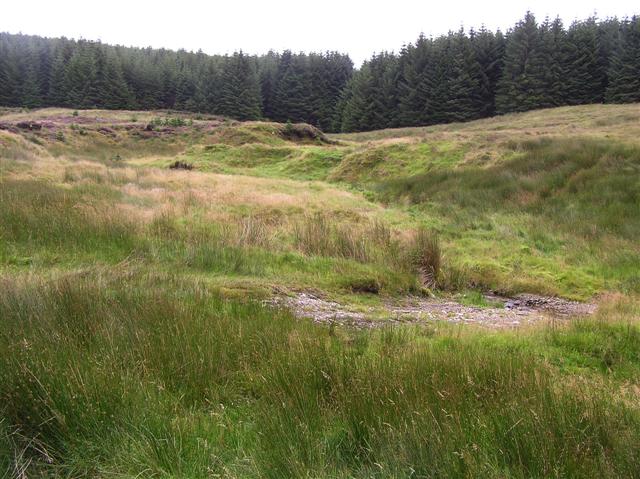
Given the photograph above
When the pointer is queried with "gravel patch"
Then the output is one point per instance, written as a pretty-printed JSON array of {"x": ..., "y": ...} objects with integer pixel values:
[{"x": 513, "y": 312}]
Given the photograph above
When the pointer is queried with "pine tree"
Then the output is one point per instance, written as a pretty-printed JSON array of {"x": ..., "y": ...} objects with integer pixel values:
[
  {"x": 416, "y": 73},
  {"x": 586, "y": 75},
  {"x": 57, "y": 79},
  {"x": 489, "y": 51},
  {"x": 521, "y": 87},
  {"x": 552, "y": 64},
  {"x": 292, "y": 88},
  {"x": 240, "y": 89},
  {"x": 465, "y": 87},
  {"x": 8, "y": 78},
  {"x": 114, "y": 91},
  {"x": 624, "y": 72},
  {"x": 81, "y": 78}
]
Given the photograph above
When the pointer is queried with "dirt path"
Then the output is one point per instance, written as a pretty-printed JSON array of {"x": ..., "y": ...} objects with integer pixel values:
[{"x": 507, "y": 313}]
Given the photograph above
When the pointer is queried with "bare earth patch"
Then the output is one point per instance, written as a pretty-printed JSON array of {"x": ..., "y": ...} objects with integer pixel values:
[{"x": 521, "y": 310}]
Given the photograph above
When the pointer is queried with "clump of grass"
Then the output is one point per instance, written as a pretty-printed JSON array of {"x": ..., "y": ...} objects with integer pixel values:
[
  {"x": 425, "y": 255},
  {"x": 322, "y": 235},
  {"x": 374, "y": 242},
  {"x": 252, "y": 231},
  {"x": 319, "y": 235}
]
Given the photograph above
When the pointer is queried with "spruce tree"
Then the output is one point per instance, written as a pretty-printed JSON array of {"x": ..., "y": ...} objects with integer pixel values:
[
  {"x": 465, "y": 100},
  {"x": 185, "y": 90},
  {"x": 268, "y": 72},
  {"x": 240, "y": 89},
  {"x": 292, "y": 88},
  {"x": 553, "y": 63},
  {"x": 338, "y": 68},
  {"x": 437, "y": 80},
  {"x": 624, "y": 72},
  {"x": 415, "y": 83},
  {"x": 81, "y": 78},
  {"x": 8, "y": 78},
  {"x": 355, "y": 101},
  {"x": 521, "y": 87},
  {"x": 454, "y": 77},
  {"x": 57, "y": 80},
  {"x": 489, "y": 51},
  {"x": 30, "y": 90},
  {"x": 586, "y": 74},
  {"x": 114, "y": 91},
  {"x": 45, "y": 58}
]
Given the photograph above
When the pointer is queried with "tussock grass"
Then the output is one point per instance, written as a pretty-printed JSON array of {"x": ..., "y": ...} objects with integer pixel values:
[
  {"x": 418, "y": 253},
  {"x": 321, "y": 235},
  {"x": 426, "y": 256}
]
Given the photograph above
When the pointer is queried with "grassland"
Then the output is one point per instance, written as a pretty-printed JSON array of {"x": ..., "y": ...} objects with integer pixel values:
[{"x": 133, "y": 342}]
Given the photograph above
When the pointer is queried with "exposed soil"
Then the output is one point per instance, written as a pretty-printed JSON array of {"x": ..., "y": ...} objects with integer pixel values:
[
  {"x": 513, "y": 312},
  {"x": 180, "y": 165}
]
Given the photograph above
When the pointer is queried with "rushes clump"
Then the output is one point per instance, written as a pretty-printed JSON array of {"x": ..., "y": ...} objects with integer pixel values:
[
  {"x": 365, "y": 242},
  {"x": 425, "y": 256}
]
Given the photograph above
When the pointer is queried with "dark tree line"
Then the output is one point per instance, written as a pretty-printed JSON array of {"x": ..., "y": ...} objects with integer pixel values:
[
  {"x": 38, "y": 72},
  {"x": 456, "y": 77},
  {"x": 464, "y": 76}
]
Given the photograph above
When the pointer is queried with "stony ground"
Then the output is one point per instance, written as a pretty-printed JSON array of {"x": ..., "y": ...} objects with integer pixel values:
[{"x": 521, "y": 310}]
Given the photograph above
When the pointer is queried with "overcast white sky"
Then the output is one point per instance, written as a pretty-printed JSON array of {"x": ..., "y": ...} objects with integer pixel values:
[{"x": 356, "y": 28}]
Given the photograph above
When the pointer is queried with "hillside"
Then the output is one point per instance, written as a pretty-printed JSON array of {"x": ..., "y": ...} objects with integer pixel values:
[
  {"x": 544, "y": 202},
  {"x": 162, "y": 272}
]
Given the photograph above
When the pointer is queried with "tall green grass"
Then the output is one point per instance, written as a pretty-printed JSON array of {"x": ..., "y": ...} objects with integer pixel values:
[
  {"x": 559, "y": 217},
  {"x": 38, "y": 218},
  {"x": 44, "y": 225},
  {"x": 155, "y": 376},
  {"x": 584, "y": 186}
]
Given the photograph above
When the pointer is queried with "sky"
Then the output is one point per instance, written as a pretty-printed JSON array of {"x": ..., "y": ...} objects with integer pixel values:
[{"x": 218, "y": 27}]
